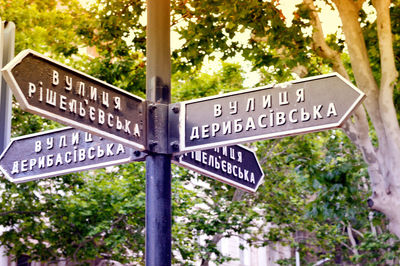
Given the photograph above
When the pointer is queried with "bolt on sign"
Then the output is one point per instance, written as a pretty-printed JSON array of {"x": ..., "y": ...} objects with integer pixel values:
[
  {"x": 296, "y": 107},
  {"x": 55, "y": 91},
  {"x": 59, "y": 152},
  {"x": 233, "y": 165}
]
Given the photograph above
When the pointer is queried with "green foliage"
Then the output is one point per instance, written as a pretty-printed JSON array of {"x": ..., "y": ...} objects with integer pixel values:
[
  {"x": 198, "y": 84},
  {"x": 315, "y": 185},
  {"x": 79, "y": 217},
  {"x": 45, "y": 26},
  {"x": 127, "y": 73}
]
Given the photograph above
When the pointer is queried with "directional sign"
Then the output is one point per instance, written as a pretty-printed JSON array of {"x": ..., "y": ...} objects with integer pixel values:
[
  {"x": 234, "y": 165},
  {"x": 306, "y": 105},
  {"x": 55, "y": 91},
  {"x": 59, "y": 152}
]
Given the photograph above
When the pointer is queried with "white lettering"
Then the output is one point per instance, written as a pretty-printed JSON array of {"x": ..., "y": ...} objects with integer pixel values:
[
  {"x": 32, "y": 163},
  {"x": 195, "y": 133},
  {"x": 55, "y": 78},
  {"x": 117, "y": 103},
  {"x": 226, "y": 127},
  {"x": 283, "y": 98},
  {"x": 51, "y": 97},
  {"x": 271, "y": 118},
  {"x": 41, "y": 162},
  {"x": 109, "y": 120},
  {"x": 63, "y": 103},
  {"x": 120, "y": 149},
  {"x": 300, "y": 95},
  {"x": 104, "y": 98},
  {"x": 205, "y": 129},
  {"x": 305, "y": 116},
  {"x": 75, "y": 138},
  {"x": 82, "y": 111},
  {"x": 215, "y": 127},
  {"x": 267, "y": 101},
  {"x": 91, "y": 155},
  {"x": 101, "y": 117},
  {"x": 127, "y": 128},
  {"x": 68, "y": 157},
  {"x": 49, "y": 160},
  {"x": 15, "y": 169},
  {"x": 62, "y": 142},
  {"x": 237, "y": 125},
  {"x": 109, "y": 149},
  {"x": 92, "y": 113},
  {"x": 93, "y": 93},
  {"x": 58, "y": 159},
  {"x": 24, "y": 166},
  {"x": 234, "y": 107},
  {"x": 250, "y": 124},
  {"x": 217, "y": 110},
  {"x": 291, "y": 116},
  {"x": 50, "y": 143},
  {"x": 250, "y": 104},
  {"x": 136, "y": 130},
  {"x": 260, "y": 121},
  {"x": 316, "y": 112},
  {"x": 81, "y": 88},
  {"x": 119, "y": 124},
  {"x": 72, "y": 106},
  {"x": 239, "y": 157},
  {"x": 82, "y": 155},
  {"x": 280, "y": 118},
  {"x": 252, "y": 179},
  {"x": 331, "y": 110},
  {"x": 88, "y": 137},
  {"x": 31, "y": 89},
  {"x": 68, "y": 83},
  {"x": 38, "y": 146}
]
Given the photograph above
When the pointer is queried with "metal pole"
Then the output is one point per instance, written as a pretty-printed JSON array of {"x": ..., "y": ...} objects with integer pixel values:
[
  {"x": 7, "y": 43},
  {"x": 158, "y": 163}
]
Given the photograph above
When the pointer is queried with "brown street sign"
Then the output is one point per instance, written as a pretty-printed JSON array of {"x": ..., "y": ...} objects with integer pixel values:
[
  {"x": 57, "y": 92},
  {"x": 296, "y": 107},
  {"x": 233, "y": 165},
  {"x": 59, "y": 152}
]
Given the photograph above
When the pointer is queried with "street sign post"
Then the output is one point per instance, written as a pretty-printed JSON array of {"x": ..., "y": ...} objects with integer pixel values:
[
  {"x": 301, "y": 106},
  {"x": 192, "y": 130},
  {"x": 7, "y": 43},
  {"x": 59, "y": 152},
  {"x": 55, "y": 91},
  {"x": 234, "y": 165}
]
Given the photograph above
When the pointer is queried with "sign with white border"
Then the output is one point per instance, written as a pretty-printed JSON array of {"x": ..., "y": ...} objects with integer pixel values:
[
  {"x": 61, "y": 151},
  {"x": 301, "y": 106},
  {"x": 48, "y": 88},
  {"x": 234, "y": 165}
]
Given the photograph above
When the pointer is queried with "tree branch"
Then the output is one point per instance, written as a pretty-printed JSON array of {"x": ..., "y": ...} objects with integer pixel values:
[
  {"x": 19, "y": 212},
  {"x": 89, "y": 239},
  {"x": 319, "y": 44},
  {"x": 388, "y": 78},
  {"x": 237, "y": 196},
  {"x": 352, "y": 240}
]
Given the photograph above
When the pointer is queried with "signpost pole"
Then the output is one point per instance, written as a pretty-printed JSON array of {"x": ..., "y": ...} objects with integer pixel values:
[
  {"x": 7, "y": 41},
  {"x": 158, "y": 163}
]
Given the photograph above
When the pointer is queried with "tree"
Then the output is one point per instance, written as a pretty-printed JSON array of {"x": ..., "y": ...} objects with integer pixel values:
[
  {"x": 314, "y": 176},
  {"x": 371, "y": 64}
]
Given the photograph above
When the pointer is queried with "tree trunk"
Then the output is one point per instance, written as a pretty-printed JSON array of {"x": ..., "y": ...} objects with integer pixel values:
[
  {"x": 237, "y": 196},
  {"x": 382, "y": 160}
]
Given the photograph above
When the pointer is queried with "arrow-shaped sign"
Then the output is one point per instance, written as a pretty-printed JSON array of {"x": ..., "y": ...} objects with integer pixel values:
[
  {"x": 59, "y": 152},
  {"x": 301, "y": 106},
  {"x": 234, "y": 165},
  {"x": 55, "y": 91}
]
